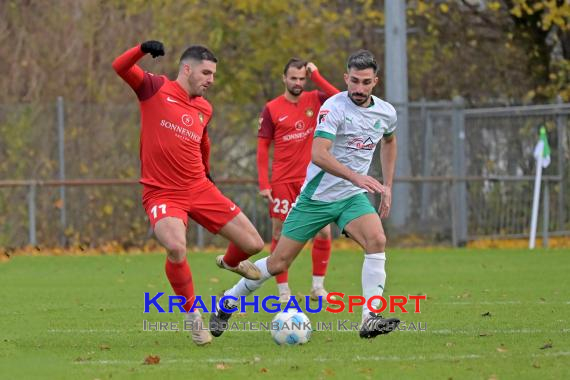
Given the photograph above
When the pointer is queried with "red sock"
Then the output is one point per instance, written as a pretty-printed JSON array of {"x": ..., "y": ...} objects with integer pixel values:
[
  {"x": 321, "y": 254},
  {"x": 180, "y": 279},
  {"x": 282, "y": 277},
  {"x": 234, "y": 255}
]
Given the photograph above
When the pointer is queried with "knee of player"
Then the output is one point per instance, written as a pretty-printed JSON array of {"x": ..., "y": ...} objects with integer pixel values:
[
  {"x": 277, "y": 265},
  {"x": 259, "y": 244},
  {"x": 255, "y": 244},
  {"x": 176, "y": 247},
  {"x": 376, "y": 243},
  {"x": 276, "y": 232},
  {"x": 176, "y": 250}
]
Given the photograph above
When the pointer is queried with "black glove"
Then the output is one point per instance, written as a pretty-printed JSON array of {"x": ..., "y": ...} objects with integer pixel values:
[
  {"x": 155, "y": 48},
  {"x": 210, "y": 178}
]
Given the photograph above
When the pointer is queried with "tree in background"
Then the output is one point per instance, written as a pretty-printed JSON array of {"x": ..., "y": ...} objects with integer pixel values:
[{"x": 488, "y": 51}]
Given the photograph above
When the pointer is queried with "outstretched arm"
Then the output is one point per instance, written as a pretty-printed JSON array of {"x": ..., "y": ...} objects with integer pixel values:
[
  {"x": 328, "y": 89},
  {"x": 125, "y": 64}
]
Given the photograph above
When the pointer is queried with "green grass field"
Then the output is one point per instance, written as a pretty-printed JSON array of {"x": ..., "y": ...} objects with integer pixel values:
[{"x": 82, "y": 317}]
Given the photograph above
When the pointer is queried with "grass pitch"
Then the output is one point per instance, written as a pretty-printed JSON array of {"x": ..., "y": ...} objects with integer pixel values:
[{"x": 490, "y": 314}]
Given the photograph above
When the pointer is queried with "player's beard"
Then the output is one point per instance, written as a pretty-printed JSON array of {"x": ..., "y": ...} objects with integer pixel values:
[
  {"x": 196, "y": 88},
  {"x": 295, "y": 91},
  {"x": 360, "y": 100}
]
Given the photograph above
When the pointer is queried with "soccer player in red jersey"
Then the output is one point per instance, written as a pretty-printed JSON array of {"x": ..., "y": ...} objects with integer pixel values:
[
  {"x": 289, "y": 122},
  {"x": 174, "y": 153}
]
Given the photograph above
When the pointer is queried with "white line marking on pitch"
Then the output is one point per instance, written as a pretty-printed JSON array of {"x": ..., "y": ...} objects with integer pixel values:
[
  {"x": 479, "y": 303},
  {"x": 89, "y": 331},
  {"x": 320, "y": 359},
  {"x": 500, "y": 303},
  {"x": 437, "y": 332},
  {"x": 497, "y": 331}
]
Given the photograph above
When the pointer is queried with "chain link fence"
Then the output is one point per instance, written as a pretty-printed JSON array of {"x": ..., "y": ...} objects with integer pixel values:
[{"x": 68, "y": 173}]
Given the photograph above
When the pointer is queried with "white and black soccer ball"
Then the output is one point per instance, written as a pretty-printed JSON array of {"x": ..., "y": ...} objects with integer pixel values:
[{"x": 291, "y": 328}]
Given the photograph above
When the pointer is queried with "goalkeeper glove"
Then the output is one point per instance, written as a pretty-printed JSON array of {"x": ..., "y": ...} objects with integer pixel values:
[{"x": 155, "y": 48}]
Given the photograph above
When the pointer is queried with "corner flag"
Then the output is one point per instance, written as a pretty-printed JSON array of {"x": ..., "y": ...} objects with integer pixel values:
[
  {"x": 542, "y": 148},
  {"x": 542, "y": 156}
]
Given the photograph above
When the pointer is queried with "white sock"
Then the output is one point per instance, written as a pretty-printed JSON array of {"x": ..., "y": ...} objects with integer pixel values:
[
  {"x": 283, "y": 288},
  {"x": 318, "y": 282},
  {"x": 193, "y": 315},
  {"x": 373, "y": 278},
  {"x": 245, "y": 287}
]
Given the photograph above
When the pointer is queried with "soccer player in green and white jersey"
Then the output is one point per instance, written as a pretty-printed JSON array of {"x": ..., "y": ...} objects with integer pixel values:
[{"x": 349, "y": 127}]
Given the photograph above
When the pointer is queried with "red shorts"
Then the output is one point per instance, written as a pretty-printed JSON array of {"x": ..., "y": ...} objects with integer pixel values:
[
  {"x": 208, "y": 206},
  {"x": 284, "y": 196}
]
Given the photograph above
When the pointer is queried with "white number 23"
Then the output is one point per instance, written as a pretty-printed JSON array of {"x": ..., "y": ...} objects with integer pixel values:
[{"x": 280, "y": 206}]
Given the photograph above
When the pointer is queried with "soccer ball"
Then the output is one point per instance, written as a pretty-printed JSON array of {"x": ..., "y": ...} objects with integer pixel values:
[{"x": 290, "y": 328}]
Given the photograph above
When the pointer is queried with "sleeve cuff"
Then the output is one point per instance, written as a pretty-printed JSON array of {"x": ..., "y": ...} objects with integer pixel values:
[{"x": 325, "y": 135}]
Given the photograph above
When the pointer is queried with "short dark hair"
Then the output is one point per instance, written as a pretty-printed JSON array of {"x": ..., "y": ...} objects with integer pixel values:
[
  {"x": 198, "y": 53},
  {"x": 297, "y": 63},
  {"x": 362, "y": 60}
]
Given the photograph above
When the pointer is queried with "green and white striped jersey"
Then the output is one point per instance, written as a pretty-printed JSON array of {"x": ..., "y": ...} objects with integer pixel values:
[{"x": 355, "y": 132}]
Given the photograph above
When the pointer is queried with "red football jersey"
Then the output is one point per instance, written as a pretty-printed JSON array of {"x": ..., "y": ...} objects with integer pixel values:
[
  {"x": 172, "y": 128},
  {"x": 291, "y": 127}
]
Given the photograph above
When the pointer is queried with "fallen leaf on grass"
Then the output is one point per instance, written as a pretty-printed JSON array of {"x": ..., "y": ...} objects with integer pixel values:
[
  {"x": 536, "y": 365},
  {"x": 152, "y": 359},
  {"x": 502, "y": 349},
  {"x": 104, "y": 347},
  {"x": 328, "y": 372},
  {"x": 546, "y": 345},
  {"x": 264, "y": 370},
  {"x": 222, "y": 366}
]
